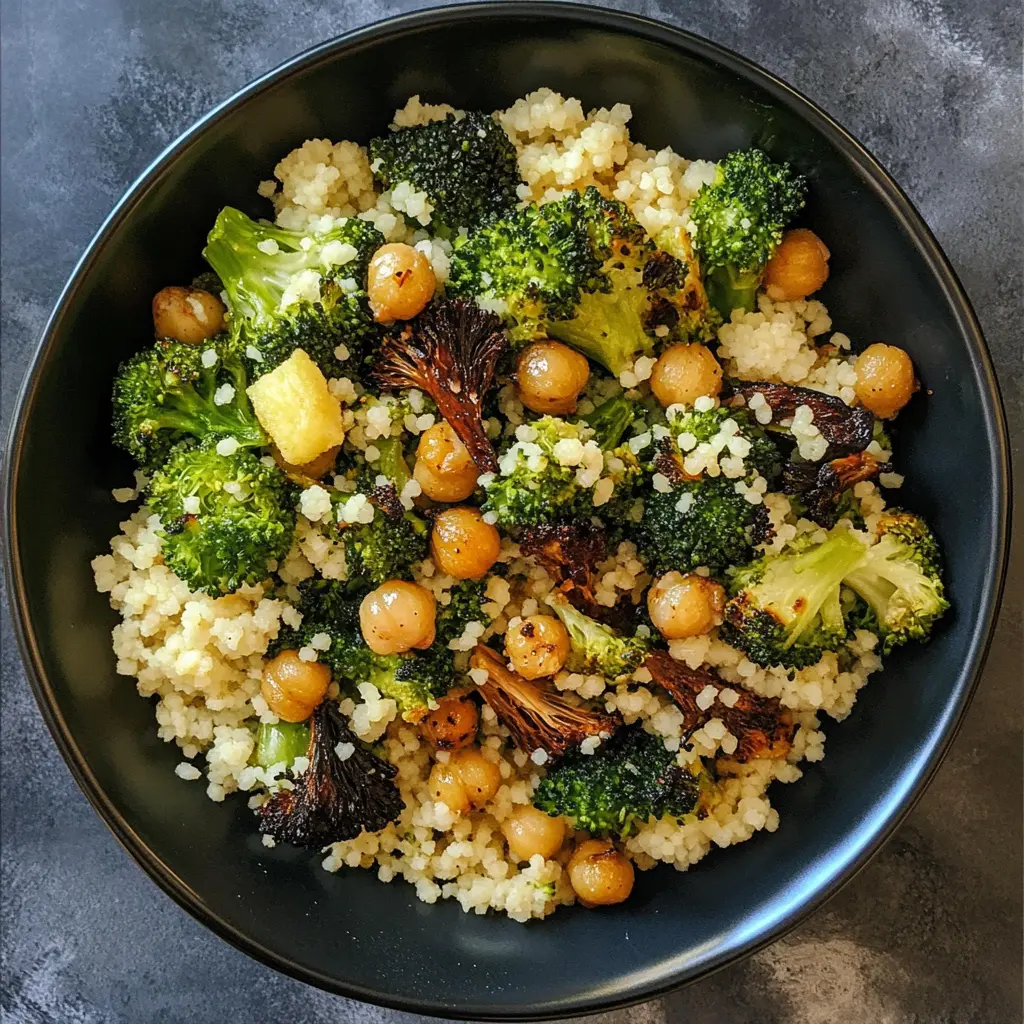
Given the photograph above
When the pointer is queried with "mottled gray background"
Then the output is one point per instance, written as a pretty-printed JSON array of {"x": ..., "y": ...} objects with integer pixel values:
[{"x": 931, "y": 931}]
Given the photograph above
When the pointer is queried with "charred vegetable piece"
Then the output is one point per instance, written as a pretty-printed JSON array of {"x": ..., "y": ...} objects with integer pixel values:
[
  {"x": 537, "y": 718},
  {"x": 333, "y": 799},
  {"x": 596, "y": 648},
  {"x": 820, "y": 485},
  {"x": 762, "y": 727},
  {"x": 630, "y": 778},
  {"x": 449, "y": 353},
  {"x": 846, "y": 429},
  {"x": 568, "y": 551}
]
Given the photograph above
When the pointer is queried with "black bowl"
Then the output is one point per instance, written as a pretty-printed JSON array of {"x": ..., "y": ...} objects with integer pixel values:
[{"x": 347, "y": 932}]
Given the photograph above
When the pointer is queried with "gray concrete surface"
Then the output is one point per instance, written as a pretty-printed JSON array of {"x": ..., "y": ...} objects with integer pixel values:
[{"x": 931, "y": 931}]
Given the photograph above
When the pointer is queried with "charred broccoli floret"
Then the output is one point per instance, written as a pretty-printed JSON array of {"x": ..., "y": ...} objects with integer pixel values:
[
  {"x": 900, "y": 580},
  {"x": 786, "y": 609},
  {"x": 692, "y": 518},
  {"x": 288, "y": 290},
  {"x": 335, "y": 798},
  {"x": 450, "y": 354},
  {"x": 627, "y": 781},
  {"x": 559, "y": 475},
  {"x": 224, "y": 517},
  {"x": 173, "y": 391},
  {"x": 739, "y": 219},
  {"x": 466, "y": 165},
  {"x": 537, "y": 718},
  {"x": 580, "y": 269},
  {"x": 596, "y": 648}
]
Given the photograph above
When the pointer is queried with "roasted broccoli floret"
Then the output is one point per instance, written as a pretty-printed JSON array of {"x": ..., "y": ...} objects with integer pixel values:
[
  {"x": 628, "y": 780},
  {"x": 450, "y": 354},
  {"x": 900, "y": 579},
  {"x": 389, "y": 545},
  {"x": 289, "y": 290},
  {"x": 559, "y": 475},
  {"x": 611, "y": 419},
  {"x": 597, "y": 649},
  {"x": 466, "y": 166},
  {"x": 224, "y": 517},
  {"x": 465, "y": 605},
  {"x": 335, "y": 798},
  {"x": 739, "y": 219},
  {"x": 580, "y": 269},
  {"x": 537, "y": 718},
  {"x": 172, "y": 391},
  {"x": 786, "y": 608},
  {"x": 412, "y": 680},
  {"x": 692, "y": 518}
]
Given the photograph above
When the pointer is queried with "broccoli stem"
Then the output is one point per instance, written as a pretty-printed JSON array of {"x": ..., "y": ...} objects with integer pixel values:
[
  {"x": 279, "y": 743},
  {"x": 610, "y": 421},
  {"x": 732, "y": 288}
]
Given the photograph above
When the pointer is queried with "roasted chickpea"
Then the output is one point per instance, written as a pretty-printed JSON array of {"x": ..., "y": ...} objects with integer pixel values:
[
  {"x": 537, "y": 646},
  {"x": 462, "y": 544},
  {"x": 444, "y": 468},
  {"x": 550, "y": 376},
  {"x": 189, "y": 315},
  {"x": 885, "y": 379},
  {"x": 399, "y": 282},
  {"x": 599, "y": 874},
  {"x": 398, "y": 616},
  {"x": 798, "y": 268},
  {"x": 682, "y": 606},
  {"x": 480, "y": 778},
  {"x": 309, "y": 472},
  {"x": 452, "y": 725},
  {"x": 293, "y": 687},
  {"x": 446, "y": 786},
  {"x": 683, "y": 373},
  {"x": 529, "y": 831}
]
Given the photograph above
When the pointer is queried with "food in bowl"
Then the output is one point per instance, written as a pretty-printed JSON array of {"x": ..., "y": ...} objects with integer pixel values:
[{"x": 510, "y": 512}]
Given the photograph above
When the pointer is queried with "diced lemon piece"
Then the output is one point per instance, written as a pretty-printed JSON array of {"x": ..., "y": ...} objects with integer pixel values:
[{"x": 296, "y": 408}]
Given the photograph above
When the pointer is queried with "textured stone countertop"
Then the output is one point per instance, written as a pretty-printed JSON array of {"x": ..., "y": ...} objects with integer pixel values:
[{"x": 931, "y": 930}]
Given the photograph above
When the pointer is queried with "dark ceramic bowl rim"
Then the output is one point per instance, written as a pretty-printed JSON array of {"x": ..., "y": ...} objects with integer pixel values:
[{"x": 899, "y": 206}]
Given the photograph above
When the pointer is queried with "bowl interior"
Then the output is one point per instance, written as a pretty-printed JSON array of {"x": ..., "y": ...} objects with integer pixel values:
[{"x": 348, "y": 931}]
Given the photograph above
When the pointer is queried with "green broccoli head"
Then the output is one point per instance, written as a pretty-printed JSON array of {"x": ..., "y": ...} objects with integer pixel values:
[
  {"x": 287, "y": 290},
  {"x": 172, "y": 391},
  {"x": 465, "y": 605},
  {"x": 696, "y": 519},
  {"x": 630, "y": 779},
  {"x": 900, "y": 580},
  {"x": 580, "y": 269},
  {"x": 559, "y": 474},
  {"x": 739, "y": 219},
  {"x": 224, "y": 517},
  {"x": 786, "y": 609},
  {"x": 388, "y": 546},
  {"x": 596, "y": 648},
  {"x": 466, "y": 166}
]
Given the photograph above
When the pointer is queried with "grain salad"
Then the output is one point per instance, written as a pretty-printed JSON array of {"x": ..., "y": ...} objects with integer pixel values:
[{"x": 508, "y": 515}]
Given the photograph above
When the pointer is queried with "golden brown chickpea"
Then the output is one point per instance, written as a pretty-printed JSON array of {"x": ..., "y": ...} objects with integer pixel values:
[
  {"x": 798, "y": 268},
  {"x": 293, "y": 687},
  {"x": 537, "y": 646},
  {"x": 462, "y": 544},
  {"x": 446, "y": 786},
  {"x": 444, "y": 468},
  {"x": 599, "y": 874},
  {"x": 452, "y": 725},
  {"x": 550, "y": 376},
  {"x": 399, "y": 282},
  {"x": 682, "y": 606},
  {"x": 309, "y": 472},
  {"x": 480, "y": 778},
  {"x": 397, "y": 617},
  {"x": 189, "y": 315},
  {"x": 885, "y": 379},
  {"x": 683, "y": 373},
  {"x": 529, "y": 831}
]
